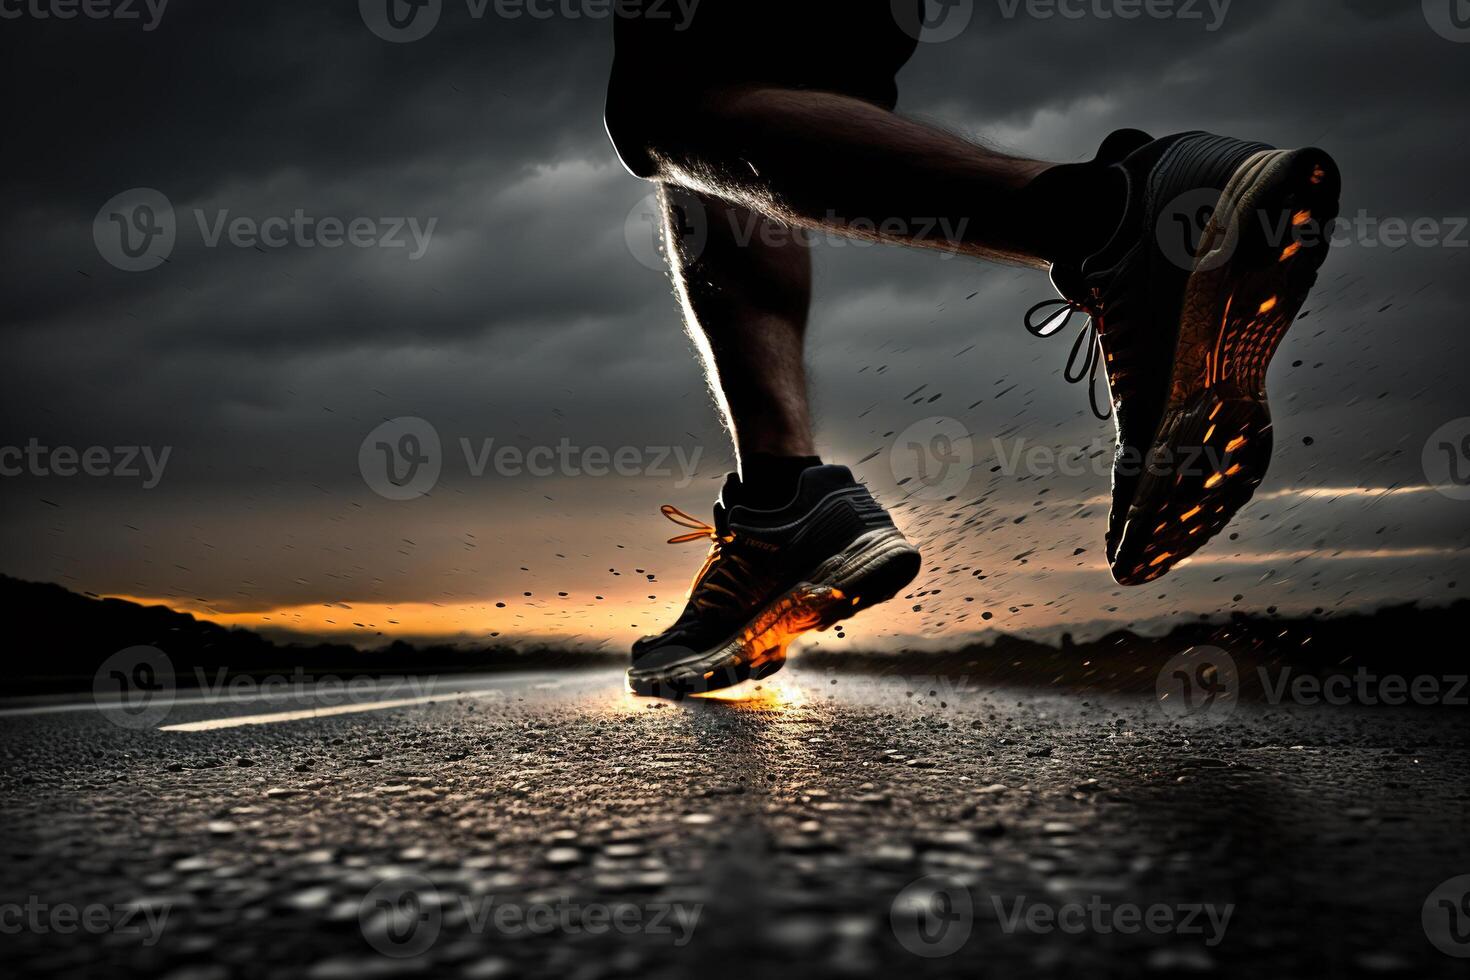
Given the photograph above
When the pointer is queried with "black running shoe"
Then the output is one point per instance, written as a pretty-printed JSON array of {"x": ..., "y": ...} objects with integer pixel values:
[
  {"x": 1186, "y": 329},
  {"x": 772, "y": 575}
]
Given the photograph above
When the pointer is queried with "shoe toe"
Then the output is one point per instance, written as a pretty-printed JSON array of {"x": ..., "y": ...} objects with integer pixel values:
[
  {"x": 664, "y": 657},
  {"x": 1124, "y": 485}
]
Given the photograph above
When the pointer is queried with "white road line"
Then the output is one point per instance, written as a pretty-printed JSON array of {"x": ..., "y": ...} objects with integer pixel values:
[
  {"x": 272, "y": 718},
  {"x": 222, "y": 693}
]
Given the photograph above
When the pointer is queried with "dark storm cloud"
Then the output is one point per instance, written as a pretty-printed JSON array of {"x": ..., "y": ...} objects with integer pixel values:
[{"x": 528, "y": 317}]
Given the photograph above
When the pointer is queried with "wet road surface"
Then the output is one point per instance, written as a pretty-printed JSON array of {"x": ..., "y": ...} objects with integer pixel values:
[{"x": 821, "y": 825}]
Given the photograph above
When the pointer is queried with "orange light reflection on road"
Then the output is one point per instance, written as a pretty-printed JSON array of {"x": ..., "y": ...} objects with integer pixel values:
[{"x": 773, "y": 692}]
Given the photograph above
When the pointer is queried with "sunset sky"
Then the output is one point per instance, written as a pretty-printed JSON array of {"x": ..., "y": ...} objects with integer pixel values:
[{"x": 533, "y": 317}]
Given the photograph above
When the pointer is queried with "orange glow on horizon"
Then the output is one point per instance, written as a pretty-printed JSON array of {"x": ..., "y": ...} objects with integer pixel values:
[{"x": 427, "y": 619}]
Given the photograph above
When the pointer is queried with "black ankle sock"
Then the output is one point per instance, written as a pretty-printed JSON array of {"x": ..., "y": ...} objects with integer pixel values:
[
  {"x": 1075, "y": 208},
  {"x": 768, "y": 482}
]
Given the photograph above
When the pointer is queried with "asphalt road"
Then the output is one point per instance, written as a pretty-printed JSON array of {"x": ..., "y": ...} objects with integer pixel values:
[{"x": 828, "y": 825}]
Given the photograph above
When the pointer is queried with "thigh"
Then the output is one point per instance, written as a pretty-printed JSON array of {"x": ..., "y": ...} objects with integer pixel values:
[
  {"x": 854, "y": 47},
  {"x": 664, "y": 61}
]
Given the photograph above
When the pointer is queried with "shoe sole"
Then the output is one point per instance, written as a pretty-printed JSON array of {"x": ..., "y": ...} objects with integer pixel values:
[
  {"x": 872, "y": 570},
  {"x": 1214, "y": 441}
]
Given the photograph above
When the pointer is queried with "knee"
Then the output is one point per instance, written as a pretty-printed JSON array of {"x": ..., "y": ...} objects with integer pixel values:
[
  {"x": 632, "y": 120},
  {"x": 651, "y": 124}
]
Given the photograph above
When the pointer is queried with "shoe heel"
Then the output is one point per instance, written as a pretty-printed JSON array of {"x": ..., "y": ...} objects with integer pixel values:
[
  {"x": 1222, "y": 447},
  {"x": 1258, "y": 259},
  {"x": 1285, "y": 213},
  {"x": 872, "y": 570},
  {"x": 1278, "y": 199}
]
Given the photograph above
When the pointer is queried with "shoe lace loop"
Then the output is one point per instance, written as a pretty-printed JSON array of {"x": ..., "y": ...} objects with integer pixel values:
[
  {"x": 700, "y": 531},
  {"x": 1086, "y": 358}
]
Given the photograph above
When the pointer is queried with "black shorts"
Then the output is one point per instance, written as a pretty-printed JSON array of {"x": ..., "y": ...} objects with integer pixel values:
[{"x": 665, "y": 59}]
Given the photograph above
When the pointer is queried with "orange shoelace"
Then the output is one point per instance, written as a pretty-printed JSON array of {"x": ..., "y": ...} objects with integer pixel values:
[{"x": 700, "y": 531}]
